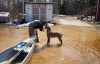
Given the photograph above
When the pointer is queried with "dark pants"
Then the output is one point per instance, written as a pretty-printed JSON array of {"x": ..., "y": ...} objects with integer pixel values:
[
  {"x": 33, "y": 26},
  {"x": 33, "y": 33}
]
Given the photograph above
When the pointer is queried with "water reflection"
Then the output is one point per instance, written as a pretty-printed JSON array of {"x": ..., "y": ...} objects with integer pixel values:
[
  {"x": 81, "y": 45},
  {"x": 9, "y": 35}
]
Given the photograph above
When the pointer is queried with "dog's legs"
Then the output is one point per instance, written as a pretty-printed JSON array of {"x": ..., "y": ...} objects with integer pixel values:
[
  {"x": 48, "y": 41},
  {"x": 60, "y": 39}
]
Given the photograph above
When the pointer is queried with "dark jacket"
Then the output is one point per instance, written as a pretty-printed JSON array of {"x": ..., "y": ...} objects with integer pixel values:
[{"x": 36, "y": 25}]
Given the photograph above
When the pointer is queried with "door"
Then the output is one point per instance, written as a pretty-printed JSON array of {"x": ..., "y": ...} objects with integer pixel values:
[
  {"x": 36, "y": 13},
  {"x": 43, "y": 13},
  {"x": 39, "y": 12}
]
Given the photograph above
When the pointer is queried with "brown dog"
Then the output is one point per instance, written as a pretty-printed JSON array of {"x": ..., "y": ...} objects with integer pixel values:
[{"x": 52, "y": 35}]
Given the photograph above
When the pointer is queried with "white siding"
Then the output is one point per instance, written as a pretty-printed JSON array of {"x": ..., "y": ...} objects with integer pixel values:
[
  {"x": 49, "y": 12},
  {"x": 28, "y": 12}
]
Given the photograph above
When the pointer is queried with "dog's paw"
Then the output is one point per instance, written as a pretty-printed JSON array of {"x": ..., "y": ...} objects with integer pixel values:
[
  {"x": 59, "y": 45},
  {"x": 48, "y": 45}
]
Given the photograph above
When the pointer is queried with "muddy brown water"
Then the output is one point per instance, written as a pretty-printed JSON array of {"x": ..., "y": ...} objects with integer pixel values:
[{"x": 81, "y": 45}]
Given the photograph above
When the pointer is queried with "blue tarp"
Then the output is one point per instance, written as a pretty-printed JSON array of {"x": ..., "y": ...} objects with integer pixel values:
[{"x": 4, "y": 19}]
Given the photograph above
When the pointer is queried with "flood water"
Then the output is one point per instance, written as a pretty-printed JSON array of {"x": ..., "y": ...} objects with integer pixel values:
[{"x": 81, "y": 45}]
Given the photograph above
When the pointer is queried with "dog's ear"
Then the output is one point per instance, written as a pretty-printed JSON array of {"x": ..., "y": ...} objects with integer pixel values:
[
  {"x": 45, "y": 26},
  {"x": 41, "y": 28}
]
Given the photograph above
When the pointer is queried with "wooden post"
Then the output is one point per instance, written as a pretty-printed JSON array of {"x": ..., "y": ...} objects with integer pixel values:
[{"x": 98, "y": 11}]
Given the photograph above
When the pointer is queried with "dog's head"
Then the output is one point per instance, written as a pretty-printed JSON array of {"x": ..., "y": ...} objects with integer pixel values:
[{"x": 48, "y": 29}]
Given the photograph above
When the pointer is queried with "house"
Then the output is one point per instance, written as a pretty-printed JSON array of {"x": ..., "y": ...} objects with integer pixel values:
[
  {"x": 4, "y": 17},
  {"x": 38, "y": 11}
]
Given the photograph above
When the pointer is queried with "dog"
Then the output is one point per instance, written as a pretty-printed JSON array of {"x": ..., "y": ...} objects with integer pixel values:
[{"x": 53, "y": 35}]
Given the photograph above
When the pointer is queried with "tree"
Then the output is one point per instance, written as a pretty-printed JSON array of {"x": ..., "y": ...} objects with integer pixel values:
[
  {"x": 92, "y": 2},
  {"x": 62, "y": 7}
]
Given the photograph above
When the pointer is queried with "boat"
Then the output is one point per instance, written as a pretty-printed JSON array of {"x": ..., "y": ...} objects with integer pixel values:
[{"x": 19, "y": 53}]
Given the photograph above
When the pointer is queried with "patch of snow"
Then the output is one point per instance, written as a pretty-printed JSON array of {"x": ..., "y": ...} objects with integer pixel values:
[{"x": 73, "y": 22}]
